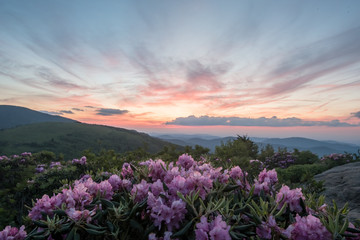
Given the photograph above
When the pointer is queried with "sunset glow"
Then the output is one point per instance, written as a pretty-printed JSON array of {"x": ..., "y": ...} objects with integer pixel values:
[{"x": 266, "y": 69}]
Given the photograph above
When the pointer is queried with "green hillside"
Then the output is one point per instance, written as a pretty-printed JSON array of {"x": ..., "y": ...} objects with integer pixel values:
[
  {"x": 13, "y": 116},
  {"x": 72, "y": 138}
]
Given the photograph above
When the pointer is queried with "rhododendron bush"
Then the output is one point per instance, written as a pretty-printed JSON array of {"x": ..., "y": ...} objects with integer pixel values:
[{"x": 184, "y": 199}]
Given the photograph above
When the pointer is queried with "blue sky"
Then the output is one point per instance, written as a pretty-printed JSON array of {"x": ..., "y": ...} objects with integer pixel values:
[{"x": 146, "y": 65}]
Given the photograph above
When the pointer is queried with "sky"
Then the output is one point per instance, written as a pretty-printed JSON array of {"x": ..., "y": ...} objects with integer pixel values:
[{"x": 262, "y": 68}]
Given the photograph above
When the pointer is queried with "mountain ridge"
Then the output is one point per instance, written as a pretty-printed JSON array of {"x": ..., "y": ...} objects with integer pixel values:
[
  {"x": 316, "y": 146},
  {"x": 13, "y": 116}
]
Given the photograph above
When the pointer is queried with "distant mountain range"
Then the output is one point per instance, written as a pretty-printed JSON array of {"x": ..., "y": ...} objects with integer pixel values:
[
  {"x": 318, "y": 147},
  {"x": 23, "y": 129},
  {"x": 13, "y": 116}
]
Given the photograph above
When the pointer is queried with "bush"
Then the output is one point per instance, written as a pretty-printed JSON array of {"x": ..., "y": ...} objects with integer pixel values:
[
  {"x": 184, "y": 199},
  {"x": 298, "y": 173}
]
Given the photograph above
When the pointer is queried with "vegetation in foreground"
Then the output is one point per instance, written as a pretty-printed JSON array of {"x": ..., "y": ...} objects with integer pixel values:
[{"x": 212, "y": 198}]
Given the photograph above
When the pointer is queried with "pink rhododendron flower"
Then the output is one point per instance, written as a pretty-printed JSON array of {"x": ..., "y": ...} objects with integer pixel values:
[
  {"x": 266, "y": 228},
  {"x": 82, "y": 161},
  {"x": 197, "y": 182},
  {"x": 157, "y": 188},
  {"x": 170, "y": 212},
  {"x": 140, "y": 191},
  {"x": 78, "y": 215},
  {"x": 167, "y": 236},
  {"x": 115, "y": 182},
  {"x": 291, "y": 197},
  {"x": 216, "y": 230},
  {"x": 265, "y": 181},
  {"x": 13, "y": 233},
  {"x": 236, "y": 173},
  {"x": 126, "y": 171},
  {"x": 308, "y": 228},
  {"x": 156, "y": 169},
  {"x": 186, "y": 161}
]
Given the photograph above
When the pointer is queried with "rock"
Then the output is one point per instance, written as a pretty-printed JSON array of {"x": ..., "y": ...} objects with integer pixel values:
[{"x": 342, "y": 183}]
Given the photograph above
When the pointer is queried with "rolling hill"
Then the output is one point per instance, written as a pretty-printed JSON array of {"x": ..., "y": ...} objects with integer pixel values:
[
  {"x": 13, "y": 116},
  {"x": 71, "y": 138},
  {"x": 318, "y": 147}
]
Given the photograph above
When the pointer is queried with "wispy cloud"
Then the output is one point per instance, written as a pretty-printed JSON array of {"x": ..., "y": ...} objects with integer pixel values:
[
  {"x": 66, "y": 111},
  {"x": 262, "y": 121},
  {"x": 356, "y": 114},
  {"x": 313, "y": 61},
  {"x": 78, "y": 109},
  {"x": 110, "y": 112}
]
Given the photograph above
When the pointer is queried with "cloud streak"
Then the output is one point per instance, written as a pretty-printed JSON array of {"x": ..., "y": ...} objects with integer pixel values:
[
  {"x": 67, "y": 111},
  {"x": 356, "y": 114},
  {"x": 260, "y": 122},
  {"x": 110, "y": 112}
]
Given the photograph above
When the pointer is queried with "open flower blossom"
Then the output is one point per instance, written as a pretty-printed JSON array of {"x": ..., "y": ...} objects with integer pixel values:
[
  {"x": 81, "y": 161},
  {"x": 156, "y": 169},
  {"x": 215, "y": 230},
  {"x": 74, "y": 200},
  {"x": 126, "y": 171},
  {"x": 140, "y": 191},
  {"x": 13, "y": 233},
  {"x": 169, "y": 212},
  {"x": 266, "y": 229},
  {"x": 307, "y": 228},
  {"x": 291, "y": 197},
  {"x": 265, "y": 181},
  {"x": 185, "y": 161}
]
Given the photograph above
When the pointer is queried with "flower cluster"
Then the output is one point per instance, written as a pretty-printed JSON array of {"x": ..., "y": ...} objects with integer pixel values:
[
  {"x": 185, "y": 161},
  {"x": 240, "y": 177},
  {"x": 336, "y": 159},
  {"x": 73, "y": 200},
  {"x": 266, "y": 229},
  {"x": 186, "y": 197},
  {"x": 186, "y": 177},
  {"x": 215, "y": 230},
  {"x": 119, "y": 184},
  {"x": 265, "y": 182},
  {"x": 126, "y": 171},
  {"x": 81, "y": 161},
  {"x": 56, "y": 165},
  {"x": 40, "y": 168},
  {"x": 291, "y": 197},
  {"x": 280, "y": 159},
  {"x": 4, "y": 158},
  {"x": 26, "y": 154},
  {"x": 13, "y": 233},
  {"x": 308, "y": 228}
]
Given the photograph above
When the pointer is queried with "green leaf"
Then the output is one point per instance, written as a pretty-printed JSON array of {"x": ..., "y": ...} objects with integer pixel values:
[
  {"x": 60, "y": 212},
  {"x": 107, "y": 203},
  {"x": 94, "y": 232},
  {"x": 98, "y": 228},
  {"x": 110, "y": 226},
  {"x": 237, "y": 235},
  {"x": 135, "y": 224},
  {"x": 353, "y": 230},
  {"x": 183, "y": 230},
  {"x": 77, "y": 236},
  {"x": 64, "y": 228},
  {"x": 243, "y": 227},
  {"x": 70, "y": 236},
  {"x": 40, "y": 223},
  {"x": 230, "y": 188}
]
